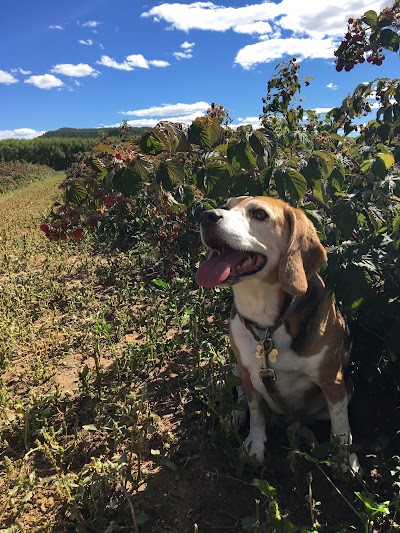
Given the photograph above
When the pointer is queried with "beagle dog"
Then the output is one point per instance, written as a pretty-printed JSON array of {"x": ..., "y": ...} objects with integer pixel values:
[{"x": 291, "y": 342}]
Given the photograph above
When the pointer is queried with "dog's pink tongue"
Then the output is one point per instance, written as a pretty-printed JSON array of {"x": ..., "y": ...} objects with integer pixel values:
[{"x": 214, "y": 271}]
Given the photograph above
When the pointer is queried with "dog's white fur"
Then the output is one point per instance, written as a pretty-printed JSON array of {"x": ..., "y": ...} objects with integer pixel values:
[{"x": 310, "y": 378}]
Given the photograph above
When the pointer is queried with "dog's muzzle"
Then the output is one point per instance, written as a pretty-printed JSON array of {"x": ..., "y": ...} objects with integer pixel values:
[{"x": 225, "y": 264}]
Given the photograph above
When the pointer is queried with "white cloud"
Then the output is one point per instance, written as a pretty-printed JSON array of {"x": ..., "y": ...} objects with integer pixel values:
[
  {"x": 332, "y": 86},
  {"x": 253, "y": 121},
  {"x": 151, "y": 122},
  {"x": 25, "y": 72},
  {"x": 137, "y": 60},
  {"x": 76, "y": 71},
  {"x": 322, "y": 110},
  {"x": 209, "y": 16},
  {"x": 131, "y": 62},
  {"x": 55, "y": 27},
  {"x": 186, "y": 45},
  {"x": 44, "y": 81},
  {"x": 159, "y": 63},
  {"x": 91, "y": 24},
  {"x": 89, "y": 42},
  {"x": 315, "y": 23},
  {"x": 108, "y": 61},
  {"x": 187, "y": 53},
  {"x": 272, "y": 49},
  {"x": 260, "y": 27},
  {"x": 7, "y": 78},
  {"x": 182, "y": 55},
  {"x": 169, "y": 109},
  {"x": 20, "y": 133}
]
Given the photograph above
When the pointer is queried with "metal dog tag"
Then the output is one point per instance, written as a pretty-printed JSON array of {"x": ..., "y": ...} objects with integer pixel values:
[
  {"x": 273, "y": 355},
  {"x": 259, "y": 351}
]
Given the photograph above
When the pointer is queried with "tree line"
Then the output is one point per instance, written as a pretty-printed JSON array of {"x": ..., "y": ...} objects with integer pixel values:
[{"x": 54, "y": 152}]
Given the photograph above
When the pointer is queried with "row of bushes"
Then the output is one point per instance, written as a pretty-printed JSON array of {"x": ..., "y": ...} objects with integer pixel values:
[{"x": 14, "y": 174}]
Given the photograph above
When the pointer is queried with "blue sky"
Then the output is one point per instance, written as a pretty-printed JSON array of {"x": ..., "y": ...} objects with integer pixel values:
[{"x": 92, "y": 63}]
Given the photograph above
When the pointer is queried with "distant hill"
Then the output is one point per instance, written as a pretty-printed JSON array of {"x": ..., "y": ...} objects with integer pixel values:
[{"x": 88, "y": 133}]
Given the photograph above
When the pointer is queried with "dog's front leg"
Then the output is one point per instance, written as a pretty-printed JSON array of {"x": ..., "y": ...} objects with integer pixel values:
[
  {"x": 336, "y": 397},
  {"x": 257, "y": 437}
]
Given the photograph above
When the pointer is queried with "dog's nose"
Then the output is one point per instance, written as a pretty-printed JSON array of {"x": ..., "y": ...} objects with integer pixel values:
[{"x": 210, "y": 217}]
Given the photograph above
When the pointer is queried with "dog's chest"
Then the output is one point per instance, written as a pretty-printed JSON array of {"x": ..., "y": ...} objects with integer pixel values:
[{"x": 295, "y": 376}]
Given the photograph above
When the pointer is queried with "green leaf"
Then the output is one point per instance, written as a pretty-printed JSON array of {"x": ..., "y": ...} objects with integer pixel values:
[
  {"x": 241, "y": 155},
  {"x": 155, "y": 452},
  {"x": 322, "y": 450},
  {"x": 295, "y": 184},
  {"x": 366, "y": 165},
  {"x": 103, "y": 148},
  {"x": 96, "y": 165},
  {"x": 390, "y": 39},
  {"x": 142, "y": 166},
  {"x": 90, "y": 427},
  {"x": 265, "y": 488},
  {"x": 151, "y": 144},
  {"x": 376, "y": 218},
  {"x": 243, "y": 184},
  {"x": 250, "y": 524},
  {"x": 326, "y": 160},
  {"x": 263, "y": 142},
  {"x": 205, "y": 131},
  {"x": 76, "y": 193},
  {"x": 387, "y": 159},
  {"x": 312, "y": 171},
  {"x": 344, "y": 215},
  {"x": 279, "y": 179},
  {"x": 170, "y": 173},
  {"x": 127, "y": 182},
  {"x": 370, "y": 504},
  {"x": 381, "y": 164},
  {"x": 217, "y": 178},
  {"x": 353, "y": 284},
  {"x": 337, "y": 178},
  {"x": 161, "y": 283},
  {"x": 370, "y": 18}
]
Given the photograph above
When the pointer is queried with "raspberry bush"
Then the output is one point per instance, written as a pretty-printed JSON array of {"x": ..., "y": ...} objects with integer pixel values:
[{"x": 343, "y": 172}]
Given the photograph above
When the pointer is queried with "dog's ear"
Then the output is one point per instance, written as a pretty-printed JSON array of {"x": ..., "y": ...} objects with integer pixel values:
[{"x": 303, "y": 256}]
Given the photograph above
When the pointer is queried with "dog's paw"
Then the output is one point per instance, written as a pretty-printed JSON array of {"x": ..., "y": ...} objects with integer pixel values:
[
  {"x": 347, "y": 466},
  {"x": 255, "y": 447},
  {"x": 355, "y": 466}
]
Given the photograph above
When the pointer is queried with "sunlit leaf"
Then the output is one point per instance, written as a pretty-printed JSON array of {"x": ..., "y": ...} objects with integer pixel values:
[
  {"x": 204, "y": 131},
  {"x": 76, "y": 192},
  {"x": 370, "y": 18}
]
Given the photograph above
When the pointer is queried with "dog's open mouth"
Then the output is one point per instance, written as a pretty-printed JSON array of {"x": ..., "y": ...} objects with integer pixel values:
[{"x": 228, "y": 265}]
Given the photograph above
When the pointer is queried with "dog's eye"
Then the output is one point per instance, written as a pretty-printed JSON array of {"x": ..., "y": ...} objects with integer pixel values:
[{"x": 259, "y": 214}]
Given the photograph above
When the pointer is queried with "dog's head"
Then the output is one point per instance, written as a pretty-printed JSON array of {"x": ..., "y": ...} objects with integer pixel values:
[{"x": 252, "y": 236}]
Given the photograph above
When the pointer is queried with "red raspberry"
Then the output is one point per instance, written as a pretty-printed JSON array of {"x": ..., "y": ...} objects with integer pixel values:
[
  {"x": 109, "y": 201},
  {"x": 77, "y": 234},
  {"x": 92, "y": 222}
]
